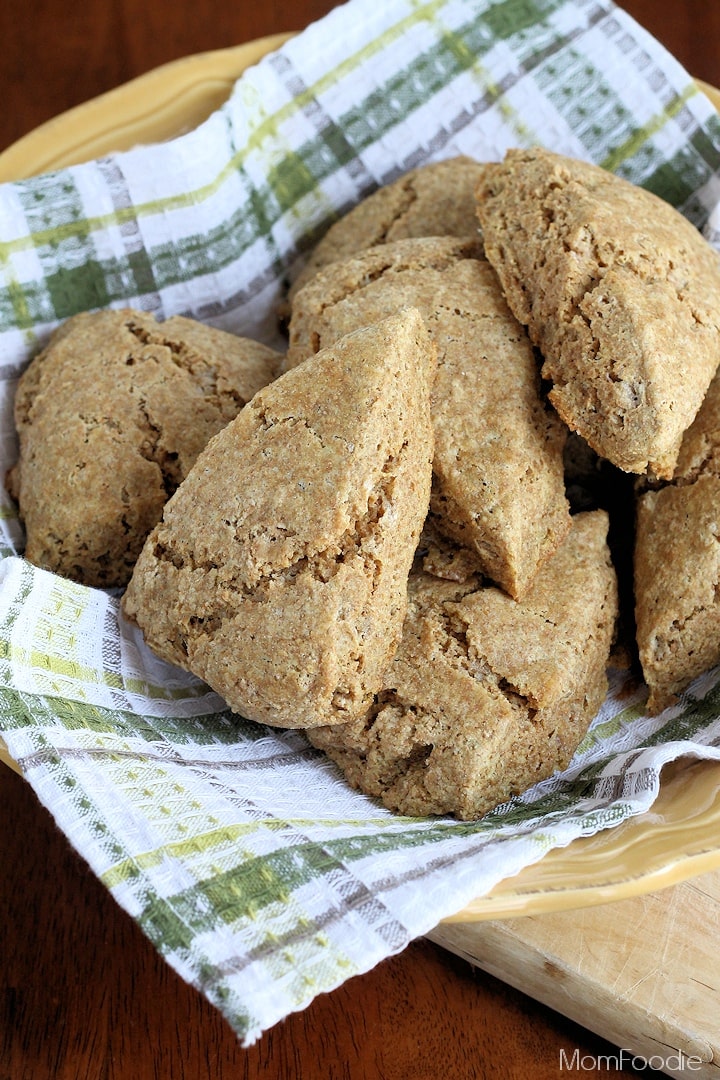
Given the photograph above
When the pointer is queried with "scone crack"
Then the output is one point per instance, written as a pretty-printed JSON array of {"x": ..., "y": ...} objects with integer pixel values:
[
  {"x": 707, "y": 465},
  {"x": 180, "y": 354},
  {"x": 670, "y": 645},
  {"x": 389, "y": 705},
  {"x": 375, "y": 266},
  {"x": 681, "y": 622},
  {"x": 151, "y": 449},
  {"x": 255, "y": 580},
  {"x": 478, "y": 666},
  {"x": 345, "y": 290},
  {"x": 596, "y": 256},
  {"x": 91, "y": 423},
  {"x": 446, "y": 625},
  {"x": 408, "y": 198},
  {"x": 204, "y": 374},
  {"x": 266, "y": 421}
]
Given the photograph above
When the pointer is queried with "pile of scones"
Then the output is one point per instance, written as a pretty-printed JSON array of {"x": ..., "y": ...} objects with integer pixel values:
[{"x": 487, "y": 466}]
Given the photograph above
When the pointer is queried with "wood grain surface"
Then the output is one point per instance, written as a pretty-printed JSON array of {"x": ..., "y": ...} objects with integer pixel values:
[
  {"x": 642, "y": 971},
  {"x": 83, "y": 995}
]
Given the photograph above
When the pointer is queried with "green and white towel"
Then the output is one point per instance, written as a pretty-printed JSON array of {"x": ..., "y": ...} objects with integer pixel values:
[{"x": 258, "y": 874}]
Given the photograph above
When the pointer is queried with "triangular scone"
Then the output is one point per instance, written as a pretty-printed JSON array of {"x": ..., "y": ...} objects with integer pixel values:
[
  {"x": 620, "y": 293},
  {"x": 486, "y": 695},
  {"x": 677, "y": 564},
  {"x": 279, "y": 571},
  {"x": 498, "y": 468},
  {"x": 437, "y": 199},
  {"x": 111, "y": 416}
]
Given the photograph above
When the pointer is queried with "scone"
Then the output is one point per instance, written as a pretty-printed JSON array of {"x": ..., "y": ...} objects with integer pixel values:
[
  {"x": 433, "y": 200},
  {"x": 593, "y": 483},
  {"x": 111, "y": 416},
  {"x": 677, "y": 564},
  {"x": 441, "y": 558},
  {"x": 620, "y": 293},
  {"x": 279, "y": 571},
  {"x": 486, "y": 695},
  {"x": 498, "y": 483}
]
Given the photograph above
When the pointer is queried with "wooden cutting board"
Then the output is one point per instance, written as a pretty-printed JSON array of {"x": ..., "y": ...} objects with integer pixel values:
[{"x": 643, "y": 973}]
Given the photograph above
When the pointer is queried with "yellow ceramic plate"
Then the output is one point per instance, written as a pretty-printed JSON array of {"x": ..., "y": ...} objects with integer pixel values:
[
  {"x": 675, "y": 840},
  {"x": 680, "y": 836}
]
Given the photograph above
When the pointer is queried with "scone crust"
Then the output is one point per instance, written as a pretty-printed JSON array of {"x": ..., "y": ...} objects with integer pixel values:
[
  {"x": 486, "y": 695},
  {"x": 111, "y": 416},
  {"x": 498, "y": 475},
  {"x": 279, "y": 571},
  {"x": 620, "y": 293},
  {"x": 677, "y": 564},
  {"x": 437, "y": 199}
]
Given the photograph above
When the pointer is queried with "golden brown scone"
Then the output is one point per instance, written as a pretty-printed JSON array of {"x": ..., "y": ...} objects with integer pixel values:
[
  {"x": 677, "y": 564},
  {"x": 110, "y": 416},
  {"x": 442, "y": 558},
  {"x": 498, "y": 473},
  {"x": 279, "y": 571},
  {"x": 620, "y": 293},
  {"x": 486, "y": 695},
  {"x": 433, "y": 200},
  {"x": 593, "y": 483}
]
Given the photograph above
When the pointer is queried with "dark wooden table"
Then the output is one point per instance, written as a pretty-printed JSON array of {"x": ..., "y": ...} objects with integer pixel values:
[{"x": 83, "y": 996}]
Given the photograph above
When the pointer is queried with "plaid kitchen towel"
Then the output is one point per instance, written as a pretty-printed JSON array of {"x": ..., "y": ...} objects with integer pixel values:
[{"x": 246, "y": 859}]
